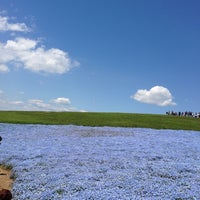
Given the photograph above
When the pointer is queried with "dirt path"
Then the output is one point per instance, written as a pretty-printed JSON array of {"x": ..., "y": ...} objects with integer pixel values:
[{"x": 5, "y": 180}]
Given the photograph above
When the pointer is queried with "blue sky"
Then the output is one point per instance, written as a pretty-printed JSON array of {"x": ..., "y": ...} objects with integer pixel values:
[{"x": 135, "y": 56}]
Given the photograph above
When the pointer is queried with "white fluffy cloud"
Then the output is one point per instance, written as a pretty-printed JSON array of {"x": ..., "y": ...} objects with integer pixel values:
[
  {"x": 29, "y": 54},
  {"x": 58, "y": 104},
  {"x": 5, "y": 25},
  {"x": 26, "y": 53},
  {"x": 61, "y": 100},
  {"x": 4, "y": 68},
  {"x": 157, "y": 95},
  {"x": 17, "y": 103},
  {"x": 38, "y": 104}
]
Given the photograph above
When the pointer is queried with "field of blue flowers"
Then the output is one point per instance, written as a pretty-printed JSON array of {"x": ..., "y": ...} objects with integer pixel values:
[{"x": 104, "y": 163}]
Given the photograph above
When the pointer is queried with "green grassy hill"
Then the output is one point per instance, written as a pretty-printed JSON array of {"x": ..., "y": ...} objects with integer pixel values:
[{"x": 101, "y": 119}]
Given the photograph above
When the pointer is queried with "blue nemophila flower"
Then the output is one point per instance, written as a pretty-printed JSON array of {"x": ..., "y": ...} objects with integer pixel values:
[{"x": 74, "y": 162}]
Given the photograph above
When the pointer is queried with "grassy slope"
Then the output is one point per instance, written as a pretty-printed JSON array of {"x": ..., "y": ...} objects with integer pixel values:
[{"x": 101, "y": 119}]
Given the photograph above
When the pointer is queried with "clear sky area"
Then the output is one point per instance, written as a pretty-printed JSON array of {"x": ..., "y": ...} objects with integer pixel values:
[{"x": 136, "y": 56}]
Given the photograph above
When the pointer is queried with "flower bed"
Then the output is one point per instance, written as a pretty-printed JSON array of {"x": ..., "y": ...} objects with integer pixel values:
[{"x": 74, "y": 162}]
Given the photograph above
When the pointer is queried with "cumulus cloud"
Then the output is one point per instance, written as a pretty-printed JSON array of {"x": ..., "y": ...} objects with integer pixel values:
[
  {"x": 4, "y": 68},
  {"x": 57, "y": 104},
  {"x": 61, "y": 100},
  {"x": 17, "y": 102},
  {"x": 38, "y": 104},
  {"x": 157, "y": 95},
  {"x": 5, "y": 25},
  {"x": 20, "y": 44},
  {"x": 28, "y": 54}
]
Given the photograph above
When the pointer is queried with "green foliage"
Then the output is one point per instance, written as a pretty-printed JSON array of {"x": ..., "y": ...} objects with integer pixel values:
[
  {"x": 60, "y": 191},
  {"x": 6, "y": 166},
  {"x": 101, "y": 119}
]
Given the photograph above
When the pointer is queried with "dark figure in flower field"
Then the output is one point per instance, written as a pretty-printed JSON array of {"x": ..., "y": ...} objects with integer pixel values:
[
  {"x": 0, "y": 139},
  {"x": 5, "y": 195}
]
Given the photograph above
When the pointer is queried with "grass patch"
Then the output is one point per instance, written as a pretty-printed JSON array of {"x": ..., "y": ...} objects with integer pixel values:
[
  {"x": 101, "y": 119},
  {"x": 6, "y": 166},
  {"x": 60, "y": 191}
]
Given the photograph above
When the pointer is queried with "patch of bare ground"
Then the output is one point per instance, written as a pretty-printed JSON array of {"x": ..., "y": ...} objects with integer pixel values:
[{"x": 5, "y": 178}]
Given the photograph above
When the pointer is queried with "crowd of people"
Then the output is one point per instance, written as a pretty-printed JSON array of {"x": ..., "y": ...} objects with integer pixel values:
[{"x": 184, "y": 114}]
